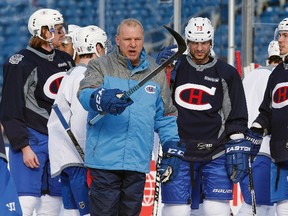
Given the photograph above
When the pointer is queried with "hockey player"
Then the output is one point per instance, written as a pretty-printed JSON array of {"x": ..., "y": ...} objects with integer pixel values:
[
  {"x": 273, "y": 120},
  {"x": 67, "y": 44},
  {"x": 254, "y": 86},
  {"x": 9, "y": 202},
  {"x": 90, "y": 43},
  {"x": 119, "y": 146},
  {"x": 31, "y": 80},
  {"x": 212, "y": 122}
]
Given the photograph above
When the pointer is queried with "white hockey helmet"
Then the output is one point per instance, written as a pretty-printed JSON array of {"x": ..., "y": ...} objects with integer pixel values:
[
  {"x": 72, "y": 29},
  {"x": 69, "y": 36},
  {"x": 199, "y": 29},
  {"x": 283, "y": 25},
  {"x": 86, "y": 39},
  {"x": 44, "y": 17},
  {"x": 273, "y": 48}
]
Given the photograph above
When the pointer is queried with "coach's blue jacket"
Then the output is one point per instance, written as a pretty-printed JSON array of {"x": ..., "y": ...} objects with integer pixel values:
[{"x": 125, "y": 142}]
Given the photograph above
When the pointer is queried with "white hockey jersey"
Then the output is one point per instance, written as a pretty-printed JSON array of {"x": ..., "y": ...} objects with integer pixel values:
[
  {"x": 254, "y": 86},
  {"x": 62, "y": 152}
]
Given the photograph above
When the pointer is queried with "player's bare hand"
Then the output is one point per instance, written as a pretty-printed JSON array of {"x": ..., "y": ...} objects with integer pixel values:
[{"x": 29, "y": 157}]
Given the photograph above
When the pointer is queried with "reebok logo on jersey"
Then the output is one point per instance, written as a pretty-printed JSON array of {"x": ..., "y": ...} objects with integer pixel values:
[
  {"x": 15, "y": 59},
  {"x": 64, "y": 64},
  {"x": 150, "y": 89},
  {"x": 212, "y": 79},
  {"x": 11, "y": 206}
]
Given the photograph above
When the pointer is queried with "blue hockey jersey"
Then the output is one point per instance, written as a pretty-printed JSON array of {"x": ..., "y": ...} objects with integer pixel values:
[
  {"x": 31, "y": 80},
  {"x": 273, "y": 113},
  {"x": 211, "y": 106}
]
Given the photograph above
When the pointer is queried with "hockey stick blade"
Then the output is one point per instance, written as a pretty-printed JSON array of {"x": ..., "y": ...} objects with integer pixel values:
[
  {"x": 181, "y": 49},
  {"x": 68, "y": 130}
]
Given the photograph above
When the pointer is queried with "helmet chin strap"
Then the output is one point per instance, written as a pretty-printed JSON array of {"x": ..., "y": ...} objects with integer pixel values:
[
  {"x": 51, "y": 44},
  {"x": 49, "y": 40},
  {"x": 74, "y": 54},
  {"x": 97, "y": 54}
]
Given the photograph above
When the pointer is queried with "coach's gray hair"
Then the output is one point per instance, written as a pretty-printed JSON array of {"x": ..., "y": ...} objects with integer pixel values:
[{"x": 129, "y": 22}]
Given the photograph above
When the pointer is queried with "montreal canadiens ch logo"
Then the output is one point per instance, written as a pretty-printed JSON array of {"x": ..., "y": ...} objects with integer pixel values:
[
  {"x": 150, "y": 89},
  {"x": 190, "y": 96},
  {"x": 52, "y": 85},
  {"x": 280, "y": 95}
]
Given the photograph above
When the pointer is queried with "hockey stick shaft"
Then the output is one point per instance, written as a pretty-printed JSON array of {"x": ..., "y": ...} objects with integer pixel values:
[
  {"x": 251, "y": 187},
  {"x": 68, "y": 130},
  {"x": 157, "y": 177},
  {"x": 181, "y": 49},
  {"x": 157, "y": 187}
]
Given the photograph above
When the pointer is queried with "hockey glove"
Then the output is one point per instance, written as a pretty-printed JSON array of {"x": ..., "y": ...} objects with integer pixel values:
[
  {"x": 173, "y": 153},
  {"x": 166, "y": 53},
  {"x": 237, "y": 154},
  {"x": 109, "y": 101},
  {"x": 256, "y": 139}
]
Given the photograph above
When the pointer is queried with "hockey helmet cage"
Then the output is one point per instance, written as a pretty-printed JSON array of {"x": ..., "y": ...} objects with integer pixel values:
[
  {"x": 199, "y": 29},
  {"x": 86, "y": 39},
  {"x": 44, "y": 17}
]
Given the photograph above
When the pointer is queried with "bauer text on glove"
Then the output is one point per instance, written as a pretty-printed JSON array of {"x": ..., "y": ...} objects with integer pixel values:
[{"x": 256, "y": 141}]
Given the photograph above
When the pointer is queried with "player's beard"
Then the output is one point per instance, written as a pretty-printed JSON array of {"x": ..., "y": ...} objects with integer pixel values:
[{"x": 202, "y": 59}]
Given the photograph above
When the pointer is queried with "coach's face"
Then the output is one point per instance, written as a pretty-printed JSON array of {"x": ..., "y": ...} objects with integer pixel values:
[{"x": 130, "y": 40}]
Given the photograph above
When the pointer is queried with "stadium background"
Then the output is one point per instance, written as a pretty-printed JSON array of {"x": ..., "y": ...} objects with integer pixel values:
[{"x": 153, "y": 14}]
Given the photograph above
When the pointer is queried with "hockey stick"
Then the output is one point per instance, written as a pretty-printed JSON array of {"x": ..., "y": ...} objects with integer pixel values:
[
  {"x": 251, "y": 187},
  {"x": 157, "y": 177},
  {"x": 157, "y": 185},
  {"x": 181, "y": 49},
  {"x": 68, "y": 130},
  {"x": 251, "y": 184}
]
